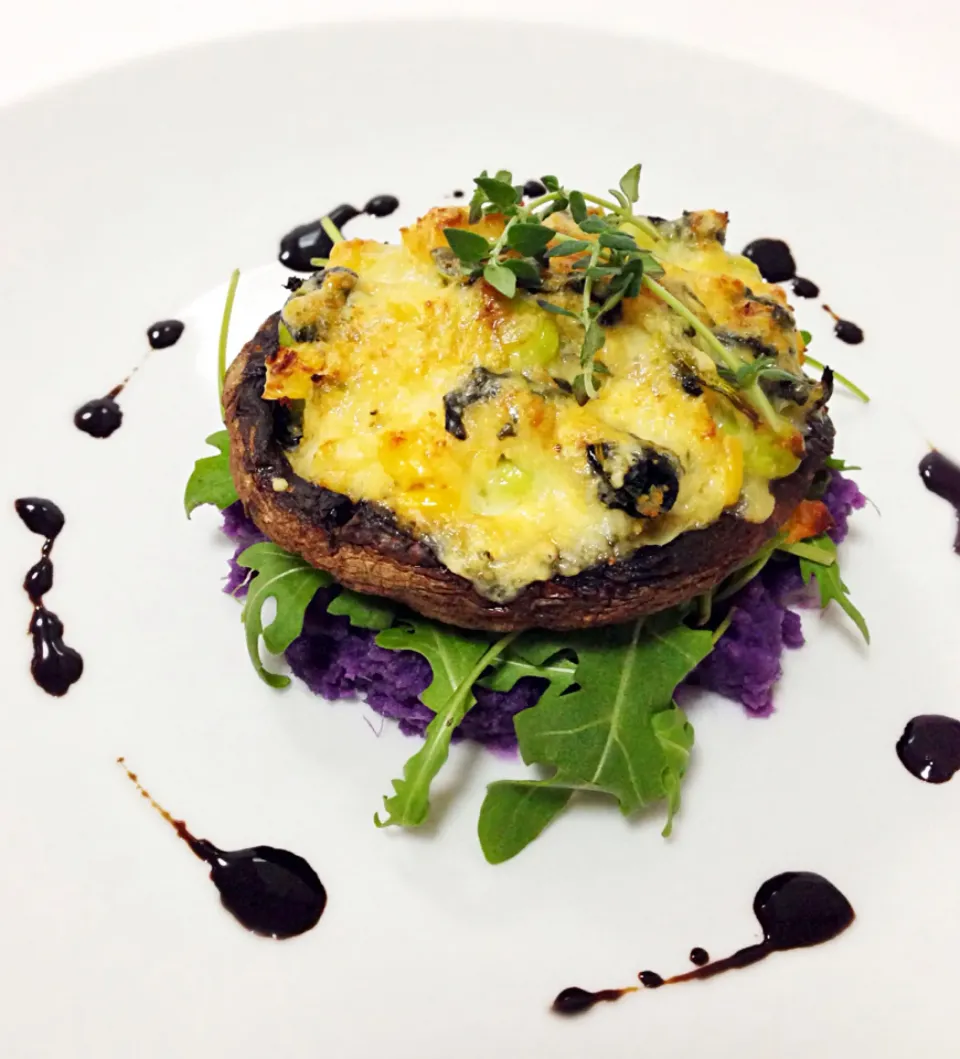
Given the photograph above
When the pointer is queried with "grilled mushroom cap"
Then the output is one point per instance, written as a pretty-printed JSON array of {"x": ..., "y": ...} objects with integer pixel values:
[{"x": 364, "y": 548}]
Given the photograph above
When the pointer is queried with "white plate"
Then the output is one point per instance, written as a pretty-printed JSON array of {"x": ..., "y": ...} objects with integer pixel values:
[{"x": 124, "y": 199}]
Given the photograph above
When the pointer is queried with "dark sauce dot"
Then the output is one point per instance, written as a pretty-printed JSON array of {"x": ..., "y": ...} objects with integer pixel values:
[
  {"x": 773, "y": 258},
  {"x": 270, "y": 891},
  {"x": 293, "y": 283},
  {"x": 942, "y": 477},
  {"x": 691, "y": 385},
  {"x": 40, "y": 516},
  {"x": 39, "y": 579},
  {"x": 805, "y": 288},
  {"x": 381, "y": 205},
  {"x": 575, "y": 1000},
  {"x": 164, "y": 333},
  {"x": 533, "y": 189},
  {"x": 650, "y": 979},
  {"x": 699, "y": 956},
  {"x": 930, "y": 747},
  {"x": 98, "y": 418},
  {"x": 458, "y": 193},
  {"x": 54, "y": 666},
  {"x": 847, "y": 331}
]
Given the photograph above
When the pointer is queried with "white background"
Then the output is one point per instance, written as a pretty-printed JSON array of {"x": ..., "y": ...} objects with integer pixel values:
[{"x": 899, "y": 56}]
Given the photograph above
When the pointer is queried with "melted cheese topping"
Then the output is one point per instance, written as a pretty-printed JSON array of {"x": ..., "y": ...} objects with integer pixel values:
[{"x": 506, "y": 492}]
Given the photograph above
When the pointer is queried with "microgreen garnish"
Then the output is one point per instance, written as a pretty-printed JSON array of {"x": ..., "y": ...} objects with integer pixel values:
[
  {"x": 842, "y": 379},
  {"x": 225, "y": 331}
]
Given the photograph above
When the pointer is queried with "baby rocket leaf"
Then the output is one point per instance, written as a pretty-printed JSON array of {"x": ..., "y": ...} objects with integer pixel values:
[
  {"x": 211, "y": 481},
  {"x": 292, "y": 582},
  {"x": 513, "y": 814},
  {"x": 829, "y": 582},
  {"x": 364, "y": 612},
  {"x": 409, "y": 805}
]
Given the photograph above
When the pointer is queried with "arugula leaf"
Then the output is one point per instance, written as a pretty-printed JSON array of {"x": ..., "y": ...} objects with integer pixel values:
[
  {"x": 603, "y": 735},
  {"x": 829, "y": 582},
  {"x": 364, "y": 612},
  {"x": 513, "y": 814},
  {"x": 468, "y": 246},
  {"x": 452, "y": 653},
  {"x": 410, "y": 804},
  {"x": 210, "y": 482},
  {"x": 836, "y": 464},
  {"x": 292, "y": 582}
]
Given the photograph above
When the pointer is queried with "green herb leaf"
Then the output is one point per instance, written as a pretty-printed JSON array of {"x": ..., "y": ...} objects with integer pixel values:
[
  {"x": 630, "y": 183},
  {"x": 602, "y": 271},
  {"x": 211, "y": 481},
  {"x": 841, "y": 465},
  {"x": 594, "y": 224},
  {"x": 364, "y": 612},
  {"x": 284, "y": 338},
  {"x": 578, "y": 208},
  {"x": 467, "y": 245},
  {"x": 504, "y": 176},
  {"x": 513, "y": 814},
  {"x": 593, "y": 340},
  {"x": 523, "y": 269},
  {"x": 550, "y": 183},
  {"x": 831, "y": 586},
  {"x": 476, "y": 203},
  {"x": 559, "y": 310},
  {"x": 807, "y": 337},
  {"x": 568, "y": 246},
  {"x": 410, "y": 803},
  {"x": 499, "y": 192},
  {"x": 292, "y": 582},
  {"x": 617, "y": 241},
  {"x": 622, "y": 201},
  {"x": 529, "y": 239},
  {"x": 603, "y": 735},
  {"x": 500, "y": 278},
  {"x": 820, "y": 550}
]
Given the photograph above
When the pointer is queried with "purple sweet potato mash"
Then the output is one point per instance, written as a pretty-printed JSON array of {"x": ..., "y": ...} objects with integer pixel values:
[{"x": 336, "y": 660}]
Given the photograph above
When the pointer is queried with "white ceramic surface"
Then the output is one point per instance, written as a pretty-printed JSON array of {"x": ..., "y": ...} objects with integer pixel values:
[{"x": 123, "y": 200}]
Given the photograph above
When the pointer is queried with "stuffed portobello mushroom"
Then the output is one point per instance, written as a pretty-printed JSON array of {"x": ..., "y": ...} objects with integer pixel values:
[{"x": 506, "y": 424}]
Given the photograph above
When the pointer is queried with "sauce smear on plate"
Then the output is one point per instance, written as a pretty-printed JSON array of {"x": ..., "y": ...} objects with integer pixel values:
[
  {"x": 307, "y": 241},
  {"x": 930, "y": 747},
  {"x": 942, "y": 477}
]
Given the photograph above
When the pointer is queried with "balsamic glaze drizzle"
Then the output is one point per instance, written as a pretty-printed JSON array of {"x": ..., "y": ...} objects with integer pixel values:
[
  {"x": 533, "y": 189},
  {"x": 930, "y": 747},
  {"x": 102, "y": 416},
  {"x": 795, "y": 910},
  {"x": 270, "y": 891},
  {"x": 846, "y": 330},
  {"x": 942, "y": 477},
  {"x": 574, "y": 1000},
  {"x": 307, "y": 241},
  {"x": 54, "y": 666}
]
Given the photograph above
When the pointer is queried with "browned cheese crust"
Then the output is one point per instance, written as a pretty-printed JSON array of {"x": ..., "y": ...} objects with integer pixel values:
[{"x": 365, "y": 550}]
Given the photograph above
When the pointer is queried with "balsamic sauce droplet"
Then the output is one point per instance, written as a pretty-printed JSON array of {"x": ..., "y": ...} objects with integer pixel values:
[
  {"x": 98, "y": 418},
  {"x": 54, "y": 666},
  {"x": 942, "y": 477},
  {"x": 846, "y": 330},
  {"x": 533, "y": 189},
  {"x": 773, "y": 258},
  {"x": 270, "y": 891},
  {"x": 795, "y": 909},
  {"x": 575, "y": 1000},
  {"x": 164, "y": 333},
  {"x": 805, "y": 288},
  {"x": 381, "y": 205},
  {"x": 930, "y": 747},
  {"x": 308, "y": 241},
  {"x": 458, "y": 193}
]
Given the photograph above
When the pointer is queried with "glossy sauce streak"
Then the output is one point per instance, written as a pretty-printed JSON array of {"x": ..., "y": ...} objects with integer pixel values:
[
  {"x": 54, "y": 666},
  {"x": 271, "y": 892},
  {"x": 930, "y": 747},
  {"x": 307, "y": 241},
  {"x": 574, "y": 1000},
  {"x": 795, "y": 910},
  {"x": 102, "y": 416},
  {"x": 846, "y": 330},
  {"x": 942, "y": 477}
]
